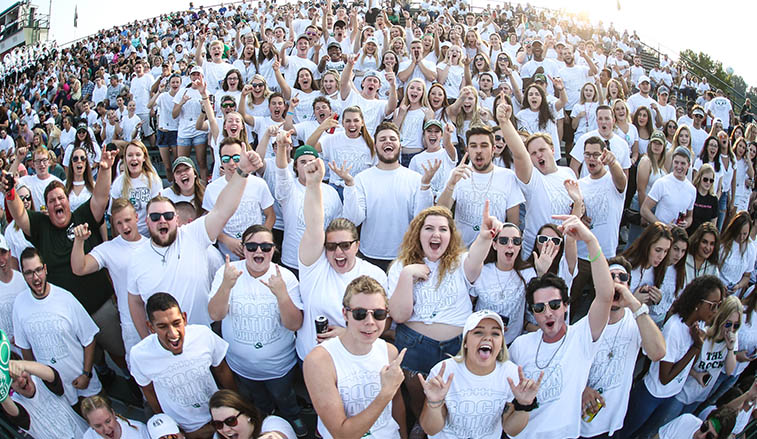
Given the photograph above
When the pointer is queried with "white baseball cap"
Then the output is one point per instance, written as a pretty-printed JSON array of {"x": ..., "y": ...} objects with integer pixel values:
[
  {"x": 161, "y": 425},
  {"x": 474, "y": 319},
  {"x": 4, "y": 243}
]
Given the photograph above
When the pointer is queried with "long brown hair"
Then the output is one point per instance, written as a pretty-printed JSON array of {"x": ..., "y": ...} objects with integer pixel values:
[
  {"x": 545, "y": 114},
  {"x": 696, "y": 238},
  {"x": 89, "y": 183},
  {"x": 411, "y": 251},
  {"x": 363, "y": 130},
  {"x": 731, "y": 232},
  {"x": 555, "y": 267},
  {"x": 679, "y": 234},
  {"x": 638, "y": 253},
  {"x": 519, "y": 264}
]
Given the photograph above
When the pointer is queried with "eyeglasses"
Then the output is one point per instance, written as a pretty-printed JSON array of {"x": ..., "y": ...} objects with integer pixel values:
[
  {"x": 37, "y": 271},
  {"x": 623, "y": 277},
  {"x": 713, "y": 305},
  {"x": 155, "y": 216},
  {"x": 498, "y": 138},
  {"x": 228, "y": 158},
  {"x": 41, "y": 161},
  {"x": 229, "y": 105},
  {"x": 542, "y": 239},
  {"x": 504, "y": 240},
  {"x": 231, "y": 421},
  {"x": 539, "y": 308},
  {"x": 699, "y": 116},
  {"x": 344, "y": 245},
  {"x": 257, "y": 84},
  {"x": 729, "y": 325},
  {"x": 705, "y": 428},
  {"x": 25, "y": 197},
  {"x": 708, "y": 179},
  {"x": 78, "y": 158},
  {"x": 265, "y": 247},
  {"x": 592, "y": 155},
  {"x": 362, "y": 313}
]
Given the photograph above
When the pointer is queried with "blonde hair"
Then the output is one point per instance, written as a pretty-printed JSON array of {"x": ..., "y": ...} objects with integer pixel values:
[
  {"x": 730, "y": 305},
  {"x": 363, "y": 285},
  {"x": 706, "y": 168},
  {"x": 147, "y": 169},
  {"x": 92, "y": 403},
  {"x": 582, "y": 100},
  {"x": 424, "y": 97},
  {"x": 475, "y": 118},
  {"x": 502, "y": 356}
]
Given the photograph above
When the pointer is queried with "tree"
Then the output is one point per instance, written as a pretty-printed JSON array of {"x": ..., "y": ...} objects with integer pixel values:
[{"x": 702, "y": 65}]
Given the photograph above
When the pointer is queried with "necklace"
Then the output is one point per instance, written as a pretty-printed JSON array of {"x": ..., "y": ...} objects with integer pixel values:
[
  {"x": 611, "y": 354},
  {"x": 162, "y": 255},
  {"x": 481, "y": 193},
  {"x": 536, "y": 359}
]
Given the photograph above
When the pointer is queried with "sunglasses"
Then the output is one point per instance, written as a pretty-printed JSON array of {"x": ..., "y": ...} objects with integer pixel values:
[
  {"x": 729, "y": 325},
  {"x": 542, "y": 239},
  {"x": 155, "y": 216},
  {"x": 257, "y": 85},
  {"x": 78, "y": 158},
  {"x": 708, "y": 179},
  {"x": 25, "y": 197},
  {"x": 539, "y": 308},
  {"x": 229, "y": 105},
  {"x": 362, "y": 313},
  {"x": 623, "y": 277},
  {"x": 253, "y": 246},
  {"x": 228, "y": 158},
  {"x": 504, "y": 240},
  {"x": 231, "y": 421},
  {"x": 705, "y": 428},
  {"x": 713, "y": 305},
  {"x": 344, "y": 245},
  {"x": 498, "y": 138}
]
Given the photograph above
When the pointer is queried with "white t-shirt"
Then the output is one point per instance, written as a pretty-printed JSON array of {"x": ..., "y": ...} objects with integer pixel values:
[
  {"x": 183, "y": 383},
  {"x": 16, "y": 239},
  {"x": 260, "y": 346},
  {"x": 255, "y": 199},
  {"x": 322, "y": 289},
  {"x": 37, "y": 188},
  {"x": 529, "y": 120},
  {"x": 618, "y": 147},
  {"x": 545, "y": 196},
  {"x": 612, "y": 374},
  {"x": 374, "y": 110},
  {"x": 8, "y": 293},
  {"x": 141, "y": 191},
  {"x": 678, "y": 341},
  {"x": 129, "y": 126},
  {"x": 681, "y": 427},
  {"x": 166, "y": 121},
  {"x": 453, "y": 83},
  {"x": 214, "y": 73},
  {"x": 475, "y": 403},
  {"x": 190, "y": 111},
  {"x": 499, "y": 187},
  {"x": 636, "y": 100},
  {"x": 721, "y": 107},
  {"x": 574, "y": 79},
  {"x": 604, "y": 205},
  {"x": 56, "y": 329},
  {"x": 340, "y": 149},
  {"x": 711, "y": 359},
  {"x": 735, "y": 263},
  {"x": 587, "y": 122},
  {"x": 673, "y": 197},
  {"x": 132, "y": 430},
  {"x": 155, "y": 269},
  {"x": 140, "y": 90},
  {"x": 445, "y": 302},
  {"x": 566, "y": 371},
  {"x": 50, "y": 415},
  {"x": 383, "y": 200},
  {"x": 425, "y": 158},
  {"x": 504, "y": 293},
  {"x": 411, "y": 130}
]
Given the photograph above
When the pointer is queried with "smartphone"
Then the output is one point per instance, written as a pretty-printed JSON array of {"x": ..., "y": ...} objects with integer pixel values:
[
  {"x": 706, "y": 378},
  {"x": 336, "y": 117}
]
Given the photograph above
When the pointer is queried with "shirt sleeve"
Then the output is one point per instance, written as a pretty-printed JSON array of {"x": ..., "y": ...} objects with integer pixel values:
[
  {"x": 219, "y": 346},
  {"x": 293, "y": 287},
  {"x": 86, "y": 328},
  {"x": 656, "y": 192},
  {"x": 283, "y": 187}
]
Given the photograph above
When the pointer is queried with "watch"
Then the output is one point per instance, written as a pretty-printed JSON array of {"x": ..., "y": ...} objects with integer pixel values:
[
  {"x": 241, "y": 173},
  {"x": 88, "y": 374},
  {"x": 643, "y": 309}
]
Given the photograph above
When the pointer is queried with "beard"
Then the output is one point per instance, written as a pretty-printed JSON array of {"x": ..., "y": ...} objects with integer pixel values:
[
  {"x": 389, "y": 159},
  {"x": 167, "y": 241}
]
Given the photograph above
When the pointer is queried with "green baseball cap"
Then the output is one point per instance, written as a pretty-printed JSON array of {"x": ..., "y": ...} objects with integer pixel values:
[
  {"x": 305, "y": 150},
  {"x": 183, "y": 161}
]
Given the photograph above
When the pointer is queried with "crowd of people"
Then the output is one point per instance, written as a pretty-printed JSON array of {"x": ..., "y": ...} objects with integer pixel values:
[{"x": 228, "y": 203}]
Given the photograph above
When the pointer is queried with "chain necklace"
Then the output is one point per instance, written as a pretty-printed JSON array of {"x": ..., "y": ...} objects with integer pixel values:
[
  {"x": 162, "y": 255},
  {"x": 611, "y": 354},
  {"x": 536, "y": 359}
]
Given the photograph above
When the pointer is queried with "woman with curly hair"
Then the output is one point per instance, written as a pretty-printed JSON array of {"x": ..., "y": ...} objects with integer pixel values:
[
  {"x": 429, "y": 286},
  {"x": 652, "y": 402}
]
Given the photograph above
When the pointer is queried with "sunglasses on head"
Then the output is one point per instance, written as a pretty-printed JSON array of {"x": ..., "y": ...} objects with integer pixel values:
[
  {"x": 344, "y": 245},
  {"x": 155, "y": 216},
  {"x": 504, "y": 240},
  {"x": 539, "y": 308},
  {"x": 231, "y": 421},
  {"x": 78, "y": 158},
  {"x": 265, "y": 247},
  {"x": 542, "y": 239},
  {"x": 362, "y": 313},
  {"x": 729, "y": 325},
  {"x": 228, "y": 158},
  {"x": 623, "y": 277},
  {"x": 713, "y": 305}
]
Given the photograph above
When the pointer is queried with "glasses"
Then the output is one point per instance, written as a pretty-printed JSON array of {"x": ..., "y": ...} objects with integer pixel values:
[
  {"x": 37, "y": 271},
  {"x": 25, "y": 197},
  {"x": 155, "y": 216},
  {"x": 231, "y": 421},
  {"x": 713, "y": 305},
  {"x": 699, "y": 116},
  {"x": 708, "y": 179},
  {"x": 623, "y": 277},
  {"x": 78, "y": 158},
  {"x": 344, "y": 245},
  {"x": 592, "y": 155},
  {"x": 504, "y": 240},
  {"x": 228, "y": 105},
  {"x": 362, "y": 313},
  {"x": 41, "y": 161},
  {"x": 257, "y": 85},
  {"x": 539, "y": 308},
  {"x": 729, "y": 325},
  {"x": 228, "y": 158},
  {"x": 265, "y": 247},
  {"x": 705, "y": 428},
  {"x": 542, "y": 239},
  {"x": 498, "y": 138}
]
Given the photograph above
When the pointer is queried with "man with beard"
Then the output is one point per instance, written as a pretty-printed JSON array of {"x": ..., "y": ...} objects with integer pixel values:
[
  {"x": 618, "y": 145},
  {"x": 384, "y": 197},
  {"x": 178, "y": 366},
  {"x": 643, "y": 99},
  {"x": 471, "y": 184},
  {"x": 157, "y": 266},
  {"x": 53, "y": 328}
]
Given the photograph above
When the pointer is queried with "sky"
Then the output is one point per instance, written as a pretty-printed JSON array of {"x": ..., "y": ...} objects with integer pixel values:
[{"x": 721, "y": 29}]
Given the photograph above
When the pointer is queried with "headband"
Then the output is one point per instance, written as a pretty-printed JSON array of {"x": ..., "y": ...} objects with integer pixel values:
[{"x": 618, "y": 267}]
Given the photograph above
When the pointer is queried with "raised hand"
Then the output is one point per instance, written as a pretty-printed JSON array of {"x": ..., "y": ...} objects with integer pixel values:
[
  {"x": 461, "y": 171},
  {"x": 284, "y": 137},
  {"x": 276, "y": 66},
  {"x": 343, "y": 172},
  {"x": 574, "y": 227},
  {"x": 329, "y": 123},
  {"x": 526, "y": 390},
  {"x": 607, "y": 158},
  {"x": 390, "y": 77},
  {"x": 106, "y": 159},
  {"x": 276, "y": 283},
  {"x": 81, "y": 232},
  {"x": 435, "y": 388},
  {"x": 418, "y": 272},
  {"x": 392, "y": 375},
  {"x": 490, "y": 225},
  {"x": 574, "y": 190},
  {"x": 428, "y": 173},
  {"x": 697, "y": 335},
  {"x": 504, "y": 111},
  {"x": 314, "y": 172},
  {"x": 250, "y": 161},
  {"x": 247, "y": 89},
  {"x": 230, "y": 273},
  {"x": 543, "y": 260}
]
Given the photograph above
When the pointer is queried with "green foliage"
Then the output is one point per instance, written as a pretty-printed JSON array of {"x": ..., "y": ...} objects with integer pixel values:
[{"x": 701, "y": 64}]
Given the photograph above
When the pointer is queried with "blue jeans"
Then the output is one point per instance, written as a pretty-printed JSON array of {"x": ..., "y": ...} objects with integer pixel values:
[
  {"x": 339, "y": 191},
  {"x": 406, "y": 157},
  {"x": 272, "y": 394},
  {"x": 722, "y": 208},
  {"x": 423, "y": 352},
  {"x": 646, "y": 413}
]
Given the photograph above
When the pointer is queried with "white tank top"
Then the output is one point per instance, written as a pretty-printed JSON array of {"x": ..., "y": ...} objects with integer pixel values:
[{"x": 358, "y": 378}]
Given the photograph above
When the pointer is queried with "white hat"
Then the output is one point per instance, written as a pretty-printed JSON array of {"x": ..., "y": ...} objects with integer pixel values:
[
  {"x": 196, "y": 69},
  {"x": 161, "y": 425},
  {"x": 371, "y": 40},
  {"x": 50, "y": 121},
  {"x": 643, "y": 78},
  {"x": 474, "y": 319},
  {"x": 4, "y": 243}
]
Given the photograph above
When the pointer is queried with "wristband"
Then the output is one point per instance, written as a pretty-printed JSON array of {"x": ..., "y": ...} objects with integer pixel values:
[
  {"x": 434, "y": 404},
  {"x": 87, "y": 374},
  {"x": 289, "y": 113},
  {"x": 643, "y": 309},
  {"x": 525, "y": 408},
  {"x": 596, "y": 257},
  {"x": 425, "y": 187},
  {"x": 11, "y": 194},
  {"x": 242, "y": 174}
]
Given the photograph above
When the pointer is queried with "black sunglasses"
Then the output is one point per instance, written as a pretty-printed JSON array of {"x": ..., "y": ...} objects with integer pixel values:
[
  {"x": 231, "y": 421},
  {"x": 708, "y": 179},
  {"x": 539, "y": 308},
  {"x": 623, "y": 277},
  {"x": 155, "y": 216},
  {"x": 78, "y": 158},
  {"x": 25, "y": 197},
  {"x": 362, "y": 313},
  {"x": 542, "y": 239},
  {"x": 705, "y": 428},
  {"x": 257, "y": 85},
  {"x": 253, "y": 246},
  {"x": 504, "y": 240},
  {"x": 498, "y": 138},
  {"x": 228, "y": 105},
  {"x": 344, "y": 245},
  {"x": 735, "y": 326},
  {"x": 228, "y": 158}
]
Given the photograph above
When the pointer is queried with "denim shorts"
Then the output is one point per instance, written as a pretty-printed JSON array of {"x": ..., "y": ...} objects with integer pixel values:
[
  {"x": 423, "y": 352},
  {"x": 167, "y": 138},
  {"x": 200, "y": 139}
]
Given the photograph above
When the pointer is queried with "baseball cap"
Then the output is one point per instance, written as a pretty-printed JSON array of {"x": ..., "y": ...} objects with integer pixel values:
[
  {"x": 4, "y": 244},
  {"x": 370, "y": 73},
  {"x": 333, "y": 44},
  {"x": 682, "y": 150},
  {"x": 371, "y": 40},
  {"x": 659, "y": 136},
  {"x": 663, "y": 89},
  {"x": 446, "y": 44},
  {"x": 537, "y": 41},
  {"x": 196, "y": 69},
  {"x": 81, "y": 126},
  {"x": 183, "y": 161},
  {"x": 474, "y": 319},
  {"x": 161, "y": 425},
  {"x": 301, "y": 36},
  {"x": 643, "y": 78},
  {"x": 50, "y": 120},
  {"x": 540, "y": 77},
  {"x": 433, "y": 122},
  {"x": 305, "y": 150}
]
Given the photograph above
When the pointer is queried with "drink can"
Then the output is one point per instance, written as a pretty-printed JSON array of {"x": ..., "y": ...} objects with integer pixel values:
[{"x": 321, "y": 324}]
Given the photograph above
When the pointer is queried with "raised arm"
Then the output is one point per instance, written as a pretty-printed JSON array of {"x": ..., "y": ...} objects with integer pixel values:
[
  {"x": 474, "y": 262},
  {"x": 311, "y": 243},
  {"x": 200, "y": 46},
  {"x": 15, "y": 205},
  {"x": 248, "y": 119},
  {"x": 101, "y": 194},
  {"x": 82, "y": 264},
  {"x": 345, "y": 81},
  {"x": 521, "y": 159},
  {"x": 616, "y": 171},
  {"x": 213, "y": 128},
  {"x": 286, "y": 91}
]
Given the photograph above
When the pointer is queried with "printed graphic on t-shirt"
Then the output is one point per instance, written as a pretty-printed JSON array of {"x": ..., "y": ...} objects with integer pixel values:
[
  {"x": 254, "y": 322},
  {"x": 358, "y": 389},
  {"x": 6, "y": 315},
  {"x": 552, "y": 383},
  {"x": 506, "y": 299},
  {"x": 188, "y": 384},
  {"x": 44, "y": 332},
  {"x": 430, "y": 300},
  {"x": 597, "y": 205},
  {"x": 473, "y": 412},
  {"x": 50, "y": 420},
  {"x": 710, "y": 360},
  {"x": 470, "y": 205},
  {"x": 558, "y": 197},
  {"x": 247, "y": 213},
  {"x": 357, "y": 160},
  {"x": 606, "y": 371},
  {"x": 139, "y": 197}
]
